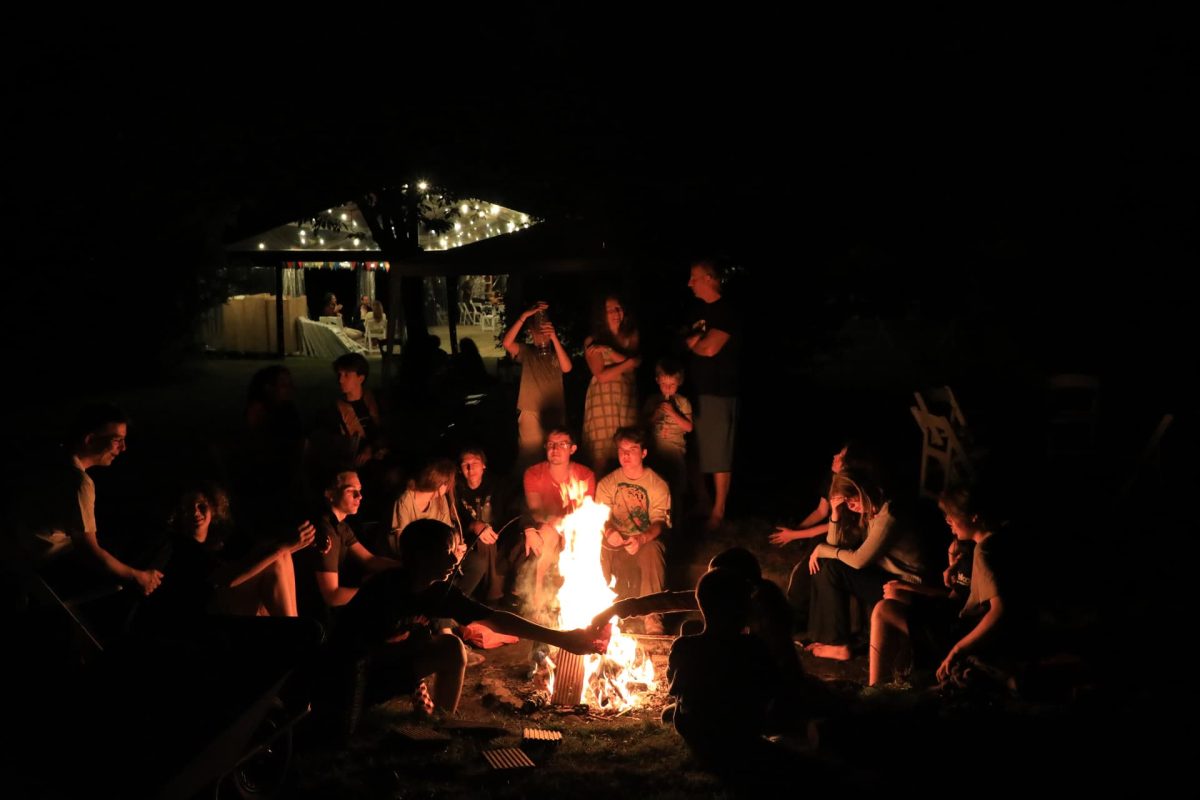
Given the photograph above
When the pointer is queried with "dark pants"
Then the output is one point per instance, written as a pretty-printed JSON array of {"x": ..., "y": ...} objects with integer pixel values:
[
  {"x": 832, "y": 587},
  {"x": 799, "y": 590},
  {"x": 482, "y": 565}
]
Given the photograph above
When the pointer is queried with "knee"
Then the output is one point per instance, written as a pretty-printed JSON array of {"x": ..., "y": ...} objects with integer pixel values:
[
  {"x": 283, "y": 565},
  {"x": 886, "y": 612},
  {"x": 451, "y": 652}
]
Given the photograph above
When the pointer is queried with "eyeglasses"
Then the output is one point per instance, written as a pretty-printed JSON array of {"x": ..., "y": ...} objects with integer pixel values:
[{"x": 558, "y": 445}]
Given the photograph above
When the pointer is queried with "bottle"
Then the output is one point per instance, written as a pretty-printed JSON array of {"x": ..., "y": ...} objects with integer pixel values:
[{"x": 540, "y": 319}]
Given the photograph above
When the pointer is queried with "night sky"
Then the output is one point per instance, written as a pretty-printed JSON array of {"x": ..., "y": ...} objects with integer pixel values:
[{"x": 1037, "y": 172}]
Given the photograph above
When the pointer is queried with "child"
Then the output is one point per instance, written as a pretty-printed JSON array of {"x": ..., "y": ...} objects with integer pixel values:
[
  {"x": 668, "y": 415},
  {"x": 722, "y": 679}
]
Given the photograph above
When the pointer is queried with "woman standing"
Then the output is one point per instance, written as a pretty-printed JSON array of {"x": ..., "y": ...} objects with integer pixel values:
[{"x": 612, "y": 356}]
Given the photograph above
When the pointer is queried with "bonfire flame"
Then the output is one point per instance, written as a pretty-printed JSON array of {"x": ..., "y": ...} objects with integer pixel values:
[{"x": 624, "y": 674}]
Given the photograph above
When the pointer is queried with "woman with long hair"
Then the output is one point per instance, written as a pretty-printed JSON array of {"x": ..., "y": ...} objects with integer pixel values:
[
  {"x": 891, "y": 548},
  {"x": 612, "y": 356},
  {"x": 430, "y": 495}
]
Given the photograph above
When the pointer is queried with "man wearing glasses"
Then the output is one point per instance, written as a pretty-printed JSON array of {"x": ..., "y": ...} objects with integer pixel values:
[{"x": 548, "y": 488}]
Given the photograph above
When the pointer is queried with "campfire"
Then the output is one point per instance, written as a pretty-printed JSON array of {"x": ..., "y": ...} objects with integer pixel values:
[{"x": 623, "y": 676}]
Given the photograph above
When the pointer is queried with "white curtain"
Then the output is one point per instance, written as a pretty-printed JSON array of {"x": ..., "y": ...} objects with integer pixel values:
[{"x": 293, "y": 282}]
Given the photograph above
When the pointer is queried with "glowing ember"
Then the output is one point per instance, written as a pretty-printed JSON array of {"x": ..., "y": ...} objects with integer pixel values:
[{"x": 624, "y": 675}]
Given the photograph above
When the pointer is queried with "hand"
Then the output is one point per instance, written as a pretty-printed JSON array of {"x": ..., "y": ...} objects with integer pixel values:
[
  {"x": 691, "y": 340},
  {"x": 548, "y": 330},
  {"x": 782, "y": 536},
  {"x": 612, "y": 538},
  {"x": 946, "y": 577},
  {"x": 632, "y": 545},
  {"x": 602, "y": 619},
  {"x": 943, "y": 672},
  {"x": 535, "y": 308},
  {"x": 306, "y": 534},
  {"x": 814, "y": 565},
  {"x": 892, "y": 590},
  {"x": 487, "y": 535},
  {"x": 836, "y": 500},
  {"x": 601, "y": 636},
  {"x": 147, "y": 579},
  {"x": 533, "y": 542},
  {"x": 580, "y": 641}
]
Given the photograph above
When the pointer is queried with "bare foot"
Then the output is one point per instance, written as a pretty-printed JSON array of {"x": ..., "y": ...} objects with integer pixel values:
[{"x": 835, "y": 652}]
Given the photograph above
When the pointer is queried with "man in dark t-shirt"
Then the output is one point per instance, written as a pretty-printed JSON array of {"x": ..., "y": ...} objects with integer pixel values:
[
  {"x": 320, "y": 582},
  {"x": 714, "y": 344}
]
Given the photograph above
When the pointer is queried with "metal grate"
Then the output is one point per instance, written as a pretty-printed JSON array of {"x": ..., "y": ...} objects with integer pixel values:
[{"x": 508, "y": 758}]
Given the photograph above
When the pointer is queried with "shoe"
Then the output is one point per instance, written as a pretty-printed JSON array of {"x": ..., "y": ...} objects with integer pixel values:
[{"x": 422, "y": 702}]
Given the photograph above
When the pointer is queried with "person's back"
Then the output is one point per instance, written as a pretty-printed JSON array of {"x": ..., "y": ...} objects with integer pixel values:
[{"x": 722, "y": 679}]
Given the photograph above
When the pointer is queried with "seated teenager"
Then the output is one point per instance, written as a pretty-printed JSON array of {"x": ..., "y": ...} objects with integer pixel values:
[{"x": 390, "y": 621}]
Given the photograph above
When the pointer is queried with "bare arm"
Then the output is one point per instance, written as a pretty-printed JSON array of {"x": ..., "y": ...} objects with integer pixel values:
[
  {"x": 332, "y": 592},
  {"x": 979, "y": 633},
  {"x": 709, "y": 343},
  {"x": 878, "y": 533},
  {"x": 510, "y": 336},
  {"x": 371, "y": 564},
  {"x": 578, "y": 641},
  {"x": 239, "y": 572},
  {"x": 660, "y": 603},
  {"x": 564, "y": 361},
  {"x": 817, "y": 515},
  {"x": 146, "y": 579},
  {"x": 595, "y": 361}
]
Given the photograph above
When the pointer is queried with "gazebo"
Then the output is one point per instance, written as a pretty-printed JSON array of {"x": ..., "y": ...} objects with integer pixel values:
[{"x": 339, "y": 237}]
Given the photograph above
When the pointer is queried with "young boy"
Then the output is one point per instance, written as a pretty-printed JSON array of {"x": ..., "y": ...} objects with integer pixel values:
[
  {"x": 722, "y": 679},
  {"x": 668, "y": 415}
]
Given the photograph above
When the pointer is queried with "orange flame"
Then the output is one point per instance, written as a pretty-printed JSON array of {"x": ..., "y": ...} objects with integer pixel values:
[{"x": 624, "y": 674}]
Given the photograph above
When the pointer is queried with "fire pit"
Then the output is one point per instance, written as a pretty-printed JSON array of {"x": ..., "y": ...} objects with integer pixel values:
[{"x": 623, "y": 677}]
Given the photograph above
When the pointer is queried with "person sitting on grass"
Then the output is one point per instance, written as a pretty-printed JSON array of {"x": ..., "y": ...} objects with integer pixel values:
[
  {"x": 935, "y": 625},
  {"x": 389, "y": 623},
  {"x": 722, "y": 679}
]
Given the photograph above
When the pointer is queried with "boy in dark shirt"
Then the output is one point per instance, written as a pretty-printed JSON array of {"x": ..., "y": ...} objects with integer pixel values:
[
  {"x": 722, "y": 679},
  {"x": 389, "y": 621}
]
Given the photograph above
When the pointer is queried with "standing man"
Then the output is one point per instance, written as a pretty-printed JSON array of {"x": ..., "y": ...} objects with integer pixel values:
[
  {"x": 639, "y": 500},
  {"x": 714, "y": 343},
  {"x": 543, "y": 364}
]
